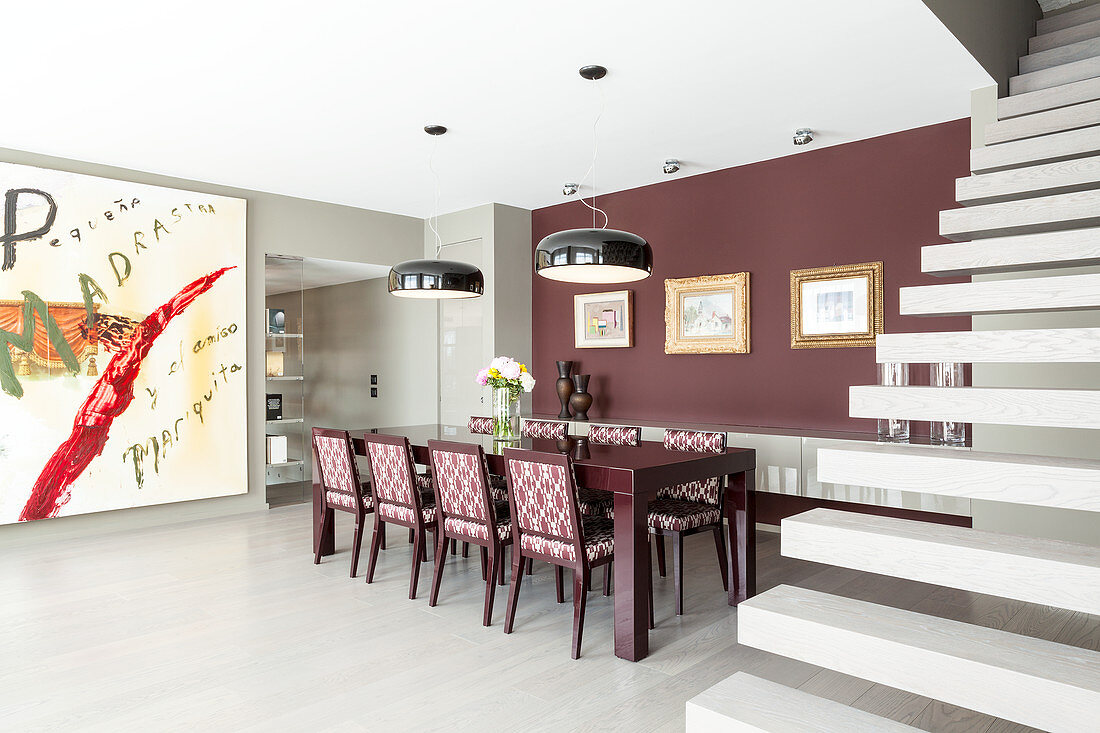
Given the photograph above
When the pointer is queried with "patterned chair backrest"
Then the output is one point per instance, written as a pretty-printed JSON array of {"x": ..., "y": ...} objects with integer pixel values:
[
  {"x": 461, "y": 480},
  {"x": 548, "y": 429},
  {"x": 695, "y": 440},
  {"x": 480, "y": 425},
  {"x": 391, "y": 467},
  {"x": 614, "y": 435},
  {"x": 336, "y": 463},
  {"x": 543, "y": 495}
]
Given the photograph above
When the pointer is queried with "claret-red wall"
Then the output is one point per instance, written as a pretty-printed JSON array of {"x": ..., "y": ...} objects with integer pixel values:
[{"x": 870, "y": 200}]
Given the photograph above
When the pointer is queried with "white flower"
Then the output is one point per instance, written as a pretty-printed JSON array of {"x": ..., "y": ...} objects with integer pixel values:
[
  {"x": 510, "y": 370},
  {"x": 527, "y": 381},
  {"x": 498, "y": 363}
]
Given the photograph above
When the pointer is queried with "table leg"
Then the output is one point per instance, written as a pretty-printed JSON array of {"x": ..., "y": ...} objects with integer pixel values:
[
  {"x": 325, "y": 540},
  {"x": 741, "y": 535},
  {"x": 631, "y": 583}
]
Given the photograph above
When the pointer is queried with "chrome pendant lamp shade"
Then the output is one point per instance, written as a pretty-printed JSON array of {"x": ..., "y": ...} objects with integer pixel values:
[
  {"x": 594, "y": 256},
  {"x": 436, "y": 279}
]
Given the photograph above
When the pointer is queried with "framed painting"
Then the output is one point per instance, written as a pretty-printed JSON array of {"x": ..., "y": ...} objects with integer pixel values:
[
  {"x": 603, "y": 320},
  {"x": 707, "y": 315},
  {"x": 836, "y": 306}
]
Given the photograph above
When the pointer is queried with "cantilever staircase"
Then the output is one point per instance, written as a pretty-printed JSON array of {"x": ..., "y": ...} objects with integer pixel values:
[{"x": 1033, "y": 203}]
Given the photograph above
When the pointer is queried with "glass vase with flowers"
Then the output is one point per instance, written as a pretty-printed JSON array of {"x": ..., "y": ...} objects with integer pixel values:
[{"x": 509, "y": 379}]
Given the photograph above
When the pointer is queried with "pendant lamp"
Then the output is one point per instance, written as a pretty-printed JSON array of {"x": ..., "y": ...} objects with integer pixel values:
[
  {"x": 594, "y": 255},
  {"x": 436, "y": 279}
]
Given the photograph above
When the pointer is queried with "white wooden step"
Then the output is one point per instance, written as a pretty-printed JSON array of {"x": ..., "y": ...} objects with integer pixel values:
[
  {"x": 1050, "y": 98},
  {"x": 1056, "y": 76},
  {"x": 743, "y": 703},
  {"x": 1035, "y": 346},
  {"x": 1070, "y": 248},
  {"x": 1060, "y": 55},
  {"x": 1031, "y": 295},
  {"x": 1063, "y": 483},
  {"x": 1066, "y": 176},
  {"x": 1034, "y": 407},
  {"x": 1067, "y": 19},
  {"x": 1043, "y": 123},
  {"x": 1023, "y": 679},
  {"x": 1063, "y": 37},
  {"x": 1048, "y": 572},
  {"x": 1036, "y": 150},
  {"x": 1008, "y": 218}
]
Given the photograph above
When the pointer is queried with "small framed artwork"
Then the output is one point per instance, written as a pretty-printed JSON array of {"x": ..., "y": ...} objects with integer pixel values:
[
  {"x": 603, "y": 320},
  {"x": 707, "y": 315},
  {"x": 836, "y": 306}
]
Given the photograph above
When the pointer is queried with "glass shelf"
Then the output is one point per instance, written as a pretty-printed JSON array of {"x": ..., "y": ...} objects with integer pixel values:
[
  {"x": 285, "y": 379},
  {"x": 286, "y": 420}
]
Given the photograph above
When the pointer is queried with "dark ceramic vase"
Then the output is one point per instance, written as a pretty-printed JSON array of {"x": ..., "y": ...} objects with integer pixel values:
[
  {"x": 581, "y": 451},
  {"x": 564, "y": 386},
  {"x": 580, "y": 400}
]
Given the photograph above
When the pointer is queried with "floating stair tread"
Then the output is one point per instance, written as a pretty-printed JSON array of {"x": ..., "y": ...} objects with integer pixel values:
[
  {"x": 1008, "y": 218},
  {"x": 1030, "y": 346},
  {"x": 1064, "y": 36},
  {"x": 1050, "y": 148},
  {"x": 1070, "y": 248},
  {"x": 1065, "y": 20},
  {"x": 1065, "y": 483},
  {"x": 1050, "y": 572},
  {"x": 746, "y": 703},
  {"x": 1043, "y": 123},
  {"x": 1054, "y": 76},
  {"x": 1035, "y": 407},
  {"x": 1026, "y": 680},
  {"x": 1022, "y": 295},
  {"x": 1046, "y": 179},
  {"x": 1063, "y": 95},
  {"x": 1064, "y": 54}
]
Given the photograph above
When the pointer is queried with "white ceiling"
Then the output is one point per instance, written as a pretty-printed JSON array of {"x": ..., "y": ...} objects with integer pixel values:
[
  {"x": 291, "y": 274},
  {"x": 327, "y": 100}
]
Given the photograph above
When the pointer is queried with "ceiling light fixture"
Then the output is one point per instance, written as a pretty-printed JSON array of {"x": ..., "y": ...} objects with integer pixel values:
[
  {"x": 435, "y": 279},
  {"x": 596, "y": 255},
  {"x": 803, "y": 136}
]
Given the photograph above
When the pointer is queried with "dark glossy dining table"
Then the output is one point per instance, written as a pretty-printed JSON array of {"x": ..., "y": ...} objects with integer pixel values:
[{"x": 634, "y": 474}]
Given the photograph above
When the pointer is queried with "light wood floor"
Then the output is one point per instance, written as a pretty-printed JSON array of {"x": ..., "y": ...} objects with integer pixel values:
[{"x": 227, "y": 625}]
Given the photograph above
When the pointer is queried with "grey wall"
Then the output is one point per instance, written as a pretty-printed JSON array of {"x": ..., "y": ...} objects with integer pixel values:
[
  {"x": 995, "y": 32},
  {"x": 278, "y": 225}
]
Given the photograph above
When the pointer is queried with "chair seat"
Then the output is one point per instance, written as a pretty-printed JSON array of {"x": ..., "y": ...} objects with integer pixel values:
[
  {"x": 599, "y": 541},
  {"x": 345, "y": 500},
  {"x": 470, "y": 528},
  {"x": 596, "y": 502},
  {"x": 677, "y": 515},
  {"x": 400, "y": 512}
]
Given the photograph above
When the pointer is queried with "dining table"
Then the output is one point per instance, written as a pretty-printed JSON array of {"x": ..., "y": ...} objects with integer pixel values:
[{"x": 634, "y": 475}]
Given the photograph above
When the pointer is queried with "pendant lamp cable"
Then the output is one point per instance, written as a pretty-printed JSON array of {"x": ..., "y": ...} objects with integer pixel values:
[
  {"x": 433, "y": 220},
  {"x": 592, "y": 167}
]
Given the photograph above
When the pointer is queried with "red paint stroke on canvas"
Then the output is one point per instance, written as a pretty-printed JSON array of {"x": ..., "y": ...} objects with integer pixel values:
[{"x": 111, "y": 396}]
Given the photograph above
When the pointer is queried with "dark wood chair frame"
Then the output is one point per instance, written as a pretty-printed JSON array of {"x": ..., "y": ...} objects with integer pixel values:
[
  {"x": 360, "y": 511},
  {"x": 492, "y": 549},
  {"x": 581, "y": 567},
  {"x": 677, "y": 537},
  {"x": 418, "y": 526}
]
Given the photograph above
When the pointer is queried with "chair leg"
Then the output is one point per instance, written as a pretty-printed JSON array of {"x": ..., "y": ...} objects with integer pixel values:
[
  {"x": 465, "y": 549},
  {"x": 720, "y": 546},
  {"x": 500, "y": 566},
  {"x": 497, "y": 562},
  {"x": 412, "y": 534},
  {"x": 580, "y": 595},
  {"x": 607, "y": 579},
  {"x": 375, "y": 541},
  {"x": 356, "y": 547},
  {"x": 326, "y": 519},
  {"x": 530, "y": 565},
  {"x": 513, "y": 591},
  {"x": 484, "y": 562},
  {"x": 382, "y": 527},
  {"x": 559, "y": 582},
  {"x": 437, "y": 573},
  {"x": 423, "y": 549},
  {"x": 418, "y": 548},
  {"x": 454, "y": 546},
  {"x": 660, "y": 554},
  {"x": 649, "y": 583},
  {"x": 678, "y": 570}
]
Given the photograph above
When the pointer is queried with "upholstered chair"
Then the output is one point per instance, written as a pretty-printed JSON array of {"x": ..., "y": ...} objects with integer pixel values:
[
  {"x": 546, "y": 525},
  {"x": 689, "y": 508},
  {"x": 545, "y": 429},
  {"x": 341, "y": 487},
  {"x": 497, "y": 484},
  {"x": 397, "y": 499},
  {"x": 600, "y": 502},
  {"x": 465, "y": 510}
]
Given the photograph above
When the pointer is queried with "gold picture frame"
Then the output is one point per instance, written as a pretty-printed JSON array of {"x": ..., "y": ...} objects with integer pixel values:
[
  {"x": 689, "y": 329},
  {"x": 845, "y": 312}
]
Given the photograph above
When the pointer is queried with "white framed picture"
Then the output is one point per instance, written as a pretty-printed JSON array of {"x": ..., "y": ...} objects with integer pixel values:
[{"x": 603, "y": 320}]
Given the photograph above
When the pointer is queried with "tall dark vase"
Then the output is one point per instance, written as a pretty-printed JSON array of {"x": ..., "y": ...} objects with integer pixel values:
[
  {"x": 580, "y": 400},
  {"x": 564, "y": 386}
]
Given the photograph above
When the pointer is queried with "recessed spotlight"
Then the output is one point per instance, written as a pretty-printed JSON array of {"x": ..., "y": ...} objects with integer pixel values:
[
  {"x": 803, "y": 136},
  {"x": 671, "y": 166},
  {"x": 568, "y": 189}
]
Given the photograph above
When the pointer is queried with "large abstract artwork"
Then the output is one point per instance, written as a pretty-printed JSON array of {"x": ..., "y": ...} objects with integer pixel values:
[{"x": 122, "y": 345}]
